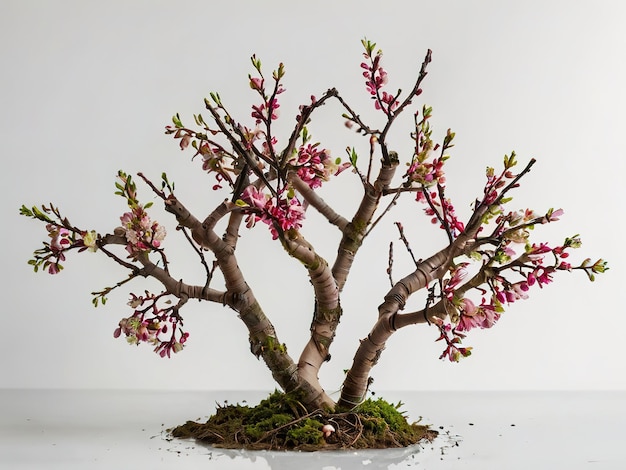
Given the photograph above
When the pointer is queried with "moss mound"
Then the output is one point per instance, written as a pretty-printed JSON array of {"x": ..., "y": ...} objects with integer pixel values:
[{"x": 281, "y": 422}]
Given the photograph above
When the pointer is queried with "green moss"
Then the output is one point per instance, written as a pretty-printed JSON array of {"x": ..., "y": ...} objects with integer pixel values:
[
  {"x": 306, "y": 432},
  {"x": 379, "y": 415},
  {"x": 257, "y": 430},
  {"x": 282, "y": 422},
  {"x": 359, "y": 226},
  {"x": 271, "y": 344}
]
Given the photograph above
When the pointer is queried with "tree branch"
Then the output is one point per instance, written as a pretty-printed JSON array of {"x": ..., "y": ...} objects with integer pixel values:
[{"x": 316, "y": 201}]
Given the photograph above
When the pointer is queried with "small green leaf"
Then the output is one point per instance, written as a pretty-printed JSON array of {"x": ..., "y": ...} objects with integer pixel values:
[
  {"x": 353, "y": 156},
  {"x": 509, "y": 162},
  {"x": 215, "y": 97},
  {"x": 176, "y": 120},
  {"x": 280, "y": 73},
  {"x": 198, "y": 118},
  {"x": 26, "y": 211}
]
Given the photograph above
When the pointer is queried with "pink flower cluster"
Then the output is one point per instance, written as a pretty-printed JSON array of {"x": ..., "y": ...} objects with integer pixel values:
[
  {"x": 472, "y": 316},
  {"x": 454, "y": 352},
  {"x": 496, "y": 182},
  {"x": 142, "y": 234},
  {"x": 427, "y": 173},
  {"x": 530, "y": 267},
  {"x": 144, "y": 327},
  {"x": 375, "y": 79},
  {"x": 279, "y": 213},
  {"x": 213, "y": 162},
  {"x": 441, "y": 210},
  {"x": 266, "y": 112},
  {"x": 314, "y": 166},
  {"x": 469, "y": 314},
  {"x": 59, "y": 242}
]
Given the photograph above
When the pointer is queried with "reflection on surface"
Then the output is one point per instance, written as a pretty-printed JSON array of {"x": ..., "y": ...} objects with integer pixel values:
[
  {"x": 104, "y": 429},
  {"x": 374, "y": 459},
  {"x": 330, "y": 460}
]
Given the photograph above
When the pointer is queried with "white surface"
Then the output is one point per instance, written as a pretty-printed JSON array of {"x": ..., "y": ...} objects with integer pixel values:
[
  {"x": 48, "y": 429},
  {"x": 87, "y": 87}
]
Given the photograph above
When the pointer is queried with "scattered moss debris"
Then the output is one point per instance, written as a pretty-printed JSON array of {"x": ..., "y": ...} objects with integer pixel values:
[{"x": 281, "y": 422}]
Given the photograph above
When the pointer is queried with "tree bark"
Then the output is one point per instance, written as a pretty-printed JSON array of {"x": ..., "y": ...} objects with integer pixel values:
[
  {"x": 264, "y": 342},
  {"x": 357, "y": 379}
]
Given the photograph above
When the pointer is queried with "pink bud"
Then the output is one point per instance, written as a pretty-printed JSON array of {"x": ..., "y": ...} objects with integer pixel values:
[{"x": 184, "y": 142}]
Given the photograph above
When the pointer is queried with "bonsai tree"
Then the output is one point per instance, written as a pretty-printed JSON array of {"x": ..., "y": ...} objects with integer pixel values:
[{"x": 489, "y": 262}]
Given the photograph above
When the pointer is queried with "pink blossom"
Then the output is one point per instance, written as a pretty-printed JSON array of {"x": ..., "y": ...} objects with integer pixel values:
[
  {"x": 388, "y": 100},
  {"x": 564, "y": 266},
  {"x": 485, "y": 317},
  {"x": 254, "y": 197},
  {"x": 289, "y": 215},
  {"x": 543, "y": 275},
  {"x": 536, "y": 252},
  {"x": 315, "y": 165},
  {"x": 459, "y": 273},
  {"x": 262, "y": 114},
  {"x": 54, "y": 268},
  {"x": 185, "y": 141},
  {"x": 454, "y": 353},
  {"x": 59, "y": 237},
  {"x": 553, "y": 216},
  {"x": 142, "y": 234}
]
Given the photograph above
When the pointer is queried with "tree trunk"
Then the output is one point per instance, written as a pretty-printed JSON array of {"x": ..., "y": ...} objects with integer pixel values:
[{"x": 357, "y": 379}]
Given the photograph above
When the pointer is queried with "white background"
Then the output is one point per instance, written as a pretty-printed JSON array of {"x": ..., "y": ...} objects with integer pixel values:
[{"x": 87, "y": 87}]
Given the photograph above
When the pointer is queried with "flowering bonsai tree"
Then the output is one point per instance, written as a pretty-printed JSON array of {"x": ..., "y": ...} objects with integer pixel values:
[{"x": 489, "y": 262}]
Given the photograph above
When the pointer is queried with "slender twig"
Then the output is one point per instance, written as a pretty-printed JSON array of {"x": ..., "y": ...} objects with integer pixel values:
[
  {"x": 157, "y": 191},
  {"x": 239, "y": 149},
  {"x": 406, "y": 243},
  {"x": 354, "y": 117},
  {"x": 304, "y": 117},
  {"x": 390, "y": 263},
  {"x": 414, "y": 92},
  {"x": 444, "y": 212}
]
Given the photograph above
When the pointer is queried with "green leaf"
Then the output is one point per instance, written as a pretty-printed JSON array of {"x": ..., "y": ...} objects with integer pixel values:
[
  {"x": 199, "y": 120},
  {"x": 353, "y": 156},
  {"x": 368, "y": 45},
  {"x": 280, "y": 73},
  {"x": 256, "y": 63},
  {"x": 215, "y": 97},
  {"x": 176, "y": 120},
  {"x": 26, "y": 211},
  {"x": 40, "y": 215},
  {"x": 510, "y": 162}
]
